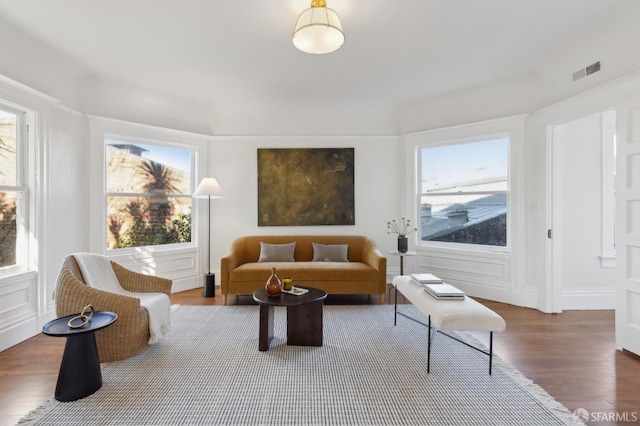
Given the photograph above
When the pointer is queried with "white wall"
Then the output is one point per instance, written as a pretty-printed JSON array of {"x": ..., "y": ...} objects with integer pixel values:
[
  {"x": 61, "y": 225},
  {"x": 233, "y": 161},
  {"x": 66, "y": 212}
]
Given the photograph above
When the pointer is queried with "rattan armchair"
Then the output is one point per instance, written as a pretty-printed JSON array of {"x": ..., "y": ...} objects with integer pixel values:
[{"x": 129, "y": 335}]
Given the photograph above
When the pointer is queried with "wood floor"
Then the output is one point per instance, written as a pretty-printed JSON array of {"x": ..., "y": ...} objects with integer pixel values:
[{"x": 571, "y": 355}]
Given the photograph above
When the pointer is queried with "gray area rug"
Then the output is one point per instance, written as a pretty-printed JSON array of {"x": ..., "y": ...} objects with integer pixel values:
[{"x": 208, "y": 371}]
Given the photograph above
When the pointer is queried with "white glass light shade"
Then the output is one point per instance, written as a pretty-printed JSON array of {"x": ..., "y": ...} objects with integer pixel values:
[
  {"x": 208, "y": 188},
  {"x": 318, "y": 31}
]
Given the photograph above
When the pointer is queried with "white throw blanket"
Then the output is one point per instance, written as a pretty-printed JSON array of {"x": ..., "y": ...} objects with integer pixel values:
[{"x": 98, "y": 273}]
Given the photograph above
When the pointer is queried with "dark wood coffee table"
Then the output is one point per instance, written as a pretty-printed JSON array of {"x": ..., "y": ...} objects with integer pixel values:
[{"x": 304, "y": 317}]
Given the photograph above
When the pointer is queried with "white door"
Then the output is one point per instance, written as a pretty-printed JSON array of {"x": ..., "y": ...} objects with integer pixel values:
[{"x": 628, "y": 225}]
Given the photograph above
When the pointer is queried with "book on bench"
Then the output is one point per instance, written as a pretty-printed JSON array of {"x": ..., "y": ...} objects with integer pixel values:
[
  {"x": 444, "y": 291},
  {"x": 426, "y": 279}
]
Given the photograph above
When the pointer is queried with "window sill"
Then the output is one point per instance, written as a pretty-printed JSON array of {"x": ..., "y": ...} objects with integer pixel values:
[
  {"x": 502, "y": 254},
  {"x": 19, "y": 276},
  {"x": 607, "y": 262}
]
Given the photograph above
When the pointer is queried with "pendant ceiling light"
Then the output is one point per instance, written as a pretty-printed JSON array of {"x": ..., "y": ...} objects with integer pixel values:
[{"x": 318, "y": 29}]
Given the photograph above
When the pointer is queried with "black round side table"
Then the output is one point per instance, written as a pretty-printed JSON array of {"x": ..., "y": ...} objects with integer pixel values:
[{"x": 80, "y": 373}]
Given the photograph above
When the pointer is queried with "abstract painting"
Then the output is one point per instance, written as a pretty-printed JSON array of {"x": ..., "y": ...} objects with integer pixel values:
[{"x": 305, "y": 187}]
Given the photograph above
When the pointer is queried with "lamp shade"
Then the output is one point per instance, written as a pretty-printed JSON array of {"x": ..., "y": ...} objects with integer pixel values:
[
  {"x": 318, "y": 29},
  {"x": 208, "y": 188}
]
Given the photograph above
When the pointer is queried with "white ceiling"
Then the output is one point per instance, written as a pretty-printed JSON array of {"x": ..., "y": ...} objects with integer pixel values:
[{"x": 236, "y": 57}]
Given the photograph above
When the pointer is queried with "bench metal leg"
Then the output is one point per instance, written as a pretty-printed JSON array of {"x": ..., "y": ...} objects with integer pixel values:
[
  {"x": 431, "y": 337},
  {"x": 395, "y": 306},
  {"x": 490, "y": 350},
  {"x": 429, "y": 346}
]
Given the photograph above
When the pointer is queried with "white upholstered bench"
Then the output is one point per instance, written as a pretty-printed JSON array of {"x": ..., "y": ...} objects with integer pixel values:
[{"x": 462, "y": 315}]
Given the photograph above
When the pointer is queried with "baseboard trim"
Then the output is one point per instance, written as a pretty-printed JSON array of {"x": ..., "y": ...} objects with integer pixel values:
[
  {"x": 526, "y": 299},
  {"x": 183, "y": 284},
  {"x": 585, "y": 300},
  {"x": 18, "y": 332}
]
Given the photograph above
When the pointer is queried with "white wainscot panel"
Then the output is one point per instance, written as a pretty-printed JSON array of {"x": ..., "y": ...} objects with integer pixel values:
[
  {"x": 633, "y": 216},
  {"x": 633, "y": 263},
  {"x": 18, "y": 309},
  {"x": 481, "y": 275},
  {"x": 634, "y": 125},
  {"x": 633, "y": 169},
  {"x": 588, "y": 299},
  {"x": 177, "y": 265},
  {"x": 633, "y": 315},
  {"x": 170, "y": 266}
]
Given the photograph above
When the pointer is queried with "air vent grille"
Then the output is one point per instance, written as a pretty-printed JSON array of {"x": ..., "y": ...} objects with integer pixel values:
[{"x": 582, "y": 73}]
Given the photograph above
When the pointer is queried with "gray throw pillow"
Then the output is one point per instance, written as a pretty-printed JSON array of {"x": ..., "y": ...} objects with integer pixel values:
[
  {"x": 277, "y": 252},
  {"x": 330, "y": 252}
]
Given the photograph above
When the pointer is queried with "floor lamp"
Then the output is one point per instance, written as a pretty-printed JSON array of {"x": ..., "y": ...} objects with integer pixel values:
[{"x": 209, "y": 188}]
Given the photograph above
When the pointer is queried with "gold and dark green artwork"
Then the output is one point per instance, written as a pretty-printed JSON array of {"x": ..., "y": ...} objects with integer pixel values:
[{"x": 306, "y": 186}]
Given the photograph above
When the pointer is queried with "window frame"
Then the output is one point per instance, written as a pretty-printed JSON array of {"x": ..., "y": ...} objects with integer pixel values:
[
  {"x": 450, "y": 141},
  {"x": 25, "y": 181},
  {"x": 160, "y": 141}
]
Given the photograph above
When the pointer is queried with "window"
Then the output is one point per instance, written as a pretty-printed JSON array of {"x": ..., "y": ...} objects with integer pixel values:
[
  {"x": 14, "y": 219},
  {"x": 148, "y": 194},
  {"x": 463, "y": 192}
]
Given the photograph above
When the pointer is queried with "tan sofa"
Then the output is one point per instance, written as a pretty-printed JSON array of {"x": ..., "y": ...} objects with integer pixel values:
[{"x": 364, "y": 273}]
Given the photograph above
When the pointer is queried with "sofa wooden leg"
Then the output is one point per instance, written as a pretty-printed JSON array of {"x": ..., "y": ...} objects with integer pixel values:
[
  {"x": 224, "y": 299},
  {"x": 382, "y": 299}
]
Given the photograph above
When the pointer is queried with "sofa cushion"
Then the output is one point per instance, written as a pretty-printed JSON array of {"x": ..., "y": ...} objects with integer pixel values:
[
  {"x": 330, "y": 252},
  {"x": 277, "y": 252},
  {"x": 305, "y": 271},
  {"x": 248, "y": 248}
]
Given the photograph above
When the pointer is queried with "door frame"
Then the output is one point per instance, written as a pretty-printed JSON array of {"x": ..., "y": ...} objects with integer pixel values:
[
  {"x": 601, "y": 98},
  {"x": 596, "y": 298}
]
